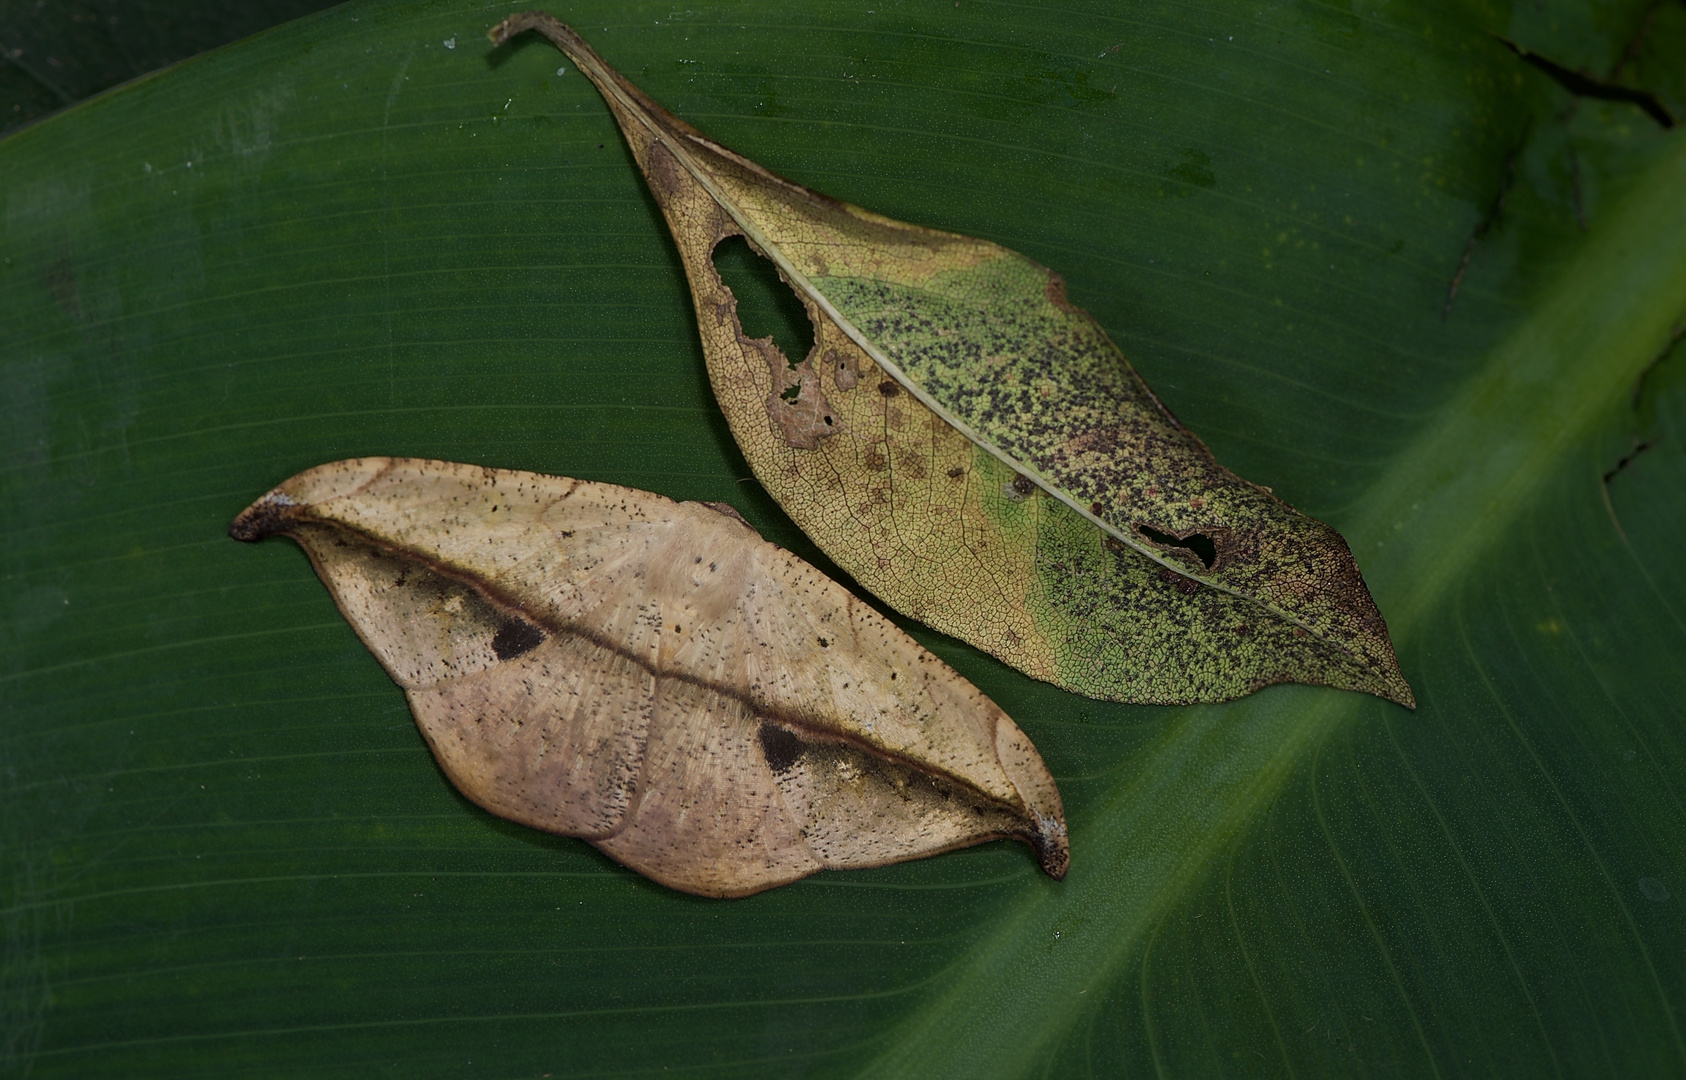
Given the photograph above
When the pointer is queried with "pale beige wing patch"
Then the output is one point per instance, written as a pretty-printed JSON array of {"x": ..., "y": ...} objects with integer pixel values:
[{"x": 654, "y": 678}]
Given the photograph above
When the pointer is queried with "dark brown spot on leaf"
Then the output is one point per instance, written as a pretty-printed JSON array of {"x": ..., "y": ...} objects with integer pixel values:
[
  {"x": 797, "y": 407},
  {"x": 664, "y": 172},
  {"x": 845, "y": 371},
  {"x": 781, "y": 747},
  {"x": 1185, "y": 585},
  {"x": 889, "y": 388},
  {"x": 1055, "y": 292},
  {"x": 516, "y": 637}
]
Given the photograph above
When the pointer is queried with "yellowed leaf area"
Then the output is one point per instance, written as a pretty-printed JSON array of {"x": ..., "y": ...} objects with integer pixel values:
[
  {"x": 655, "y": 678},
  {"x": 976, "y": 451}
]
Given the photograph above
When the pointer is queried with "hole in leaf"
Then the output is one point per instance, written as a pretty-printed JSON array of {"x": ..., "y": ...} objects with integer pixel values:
[
  {"x": 766, "y": 305},
  {"x": 1199, "y": 543},
  {"x": 791, "y": 393}
]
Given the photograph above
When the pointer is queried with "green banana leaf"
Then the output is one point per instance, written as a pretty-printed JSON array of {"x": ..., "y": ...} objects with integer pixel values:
[
  {"x": 1373, "y": 256},
  {"x": 52, "y": 55}
]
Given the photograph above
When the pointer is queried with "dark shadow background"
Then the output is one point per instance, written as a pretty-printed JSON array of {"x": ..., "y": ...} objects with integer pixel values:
[{"x": 54, "y": 53}]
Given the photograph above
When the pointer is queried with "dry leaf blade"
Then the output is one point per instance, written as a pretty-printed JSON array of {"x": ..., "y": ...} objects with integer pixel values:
[
  {"x": 973, "y": 448},
  {"x": 653, "y": 677}
]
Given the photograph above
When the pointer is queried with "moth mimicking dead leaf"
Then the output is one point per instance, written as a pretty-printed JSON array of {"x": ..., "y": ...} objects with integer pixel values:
[
  {"x": 655, "y": 678},
  {"x": 976, "y": 451}
]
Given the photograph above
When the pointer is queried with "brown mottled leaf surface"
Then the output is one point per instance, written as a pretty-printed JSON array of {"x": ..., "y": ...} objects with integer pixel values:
[
  {"x": 975, "y": 450},
  {"x": 653, "y": 677}
]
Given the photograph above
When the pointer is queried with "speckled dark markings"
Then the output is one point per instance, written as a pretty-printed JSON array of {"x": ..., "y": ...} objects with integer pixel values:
[
  {"x": 1133, "y": 628},
  {"x": 1044, "y": 384},
  {"x": 1198, "y": 640}
]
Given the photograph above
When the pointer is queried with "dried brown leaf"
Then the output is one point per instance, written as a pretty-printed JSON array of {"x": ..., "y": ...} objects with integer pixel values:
[
  {"x": 655, "y": 678},
  {"x": 972, "y": 447}
]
